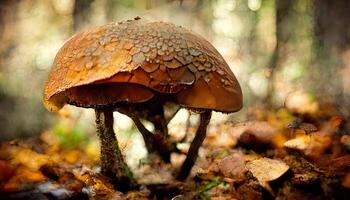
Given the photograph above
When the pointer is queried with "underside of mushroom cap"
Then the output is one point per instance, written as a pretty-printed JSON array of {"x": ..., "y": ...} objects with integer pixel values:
[
  {"x": 119, "y": 61},
  {"x": 101, "y": 95}
]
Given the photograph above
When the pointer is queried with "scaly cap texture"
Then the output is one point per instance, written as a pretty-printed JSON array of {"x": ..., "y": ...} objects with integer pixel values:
[{"x": 140, "y": 58}]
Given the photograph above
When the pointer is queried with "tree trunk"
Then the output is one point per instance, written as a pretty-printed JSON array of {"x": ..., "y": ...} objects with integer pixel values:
[
  {"x": 284, "y": 9},
  {"x": 82, "y": 11},
  {"x": 331, "y": 47}
]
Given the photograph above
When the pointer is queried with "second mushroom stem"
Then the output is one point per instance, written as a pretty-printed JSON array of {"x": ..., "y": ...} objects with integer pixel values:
[
  {"x": 154, "y": 142},
  {"x": 112, "y": 162},
  {"x": 147, "y": 135},
  {"x": 194, "y": 148}
]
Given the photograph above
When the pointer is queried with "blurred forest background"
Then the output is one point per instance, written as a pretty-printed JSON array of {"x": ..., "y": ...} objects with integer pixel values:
[{"x": 285, "y": 53}]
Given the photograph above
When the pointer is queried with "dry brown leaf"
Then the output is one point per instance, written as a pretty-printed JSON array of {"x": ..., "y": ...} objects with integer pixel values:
[
  {"x": 27, "y": 157},
  {"x": 135, "y": 195},
  {"x": 266, "y": 169},
  {"x": 97, "y": 185},
  {"x": 6, "y": 171},
  {"x": 300, "y": 143},
  {"x": 312, "y": 146},
  {"x": 71, "y": 156},
  {"x": 232, "y": 166},
  {"x": 22, "y": 177}
]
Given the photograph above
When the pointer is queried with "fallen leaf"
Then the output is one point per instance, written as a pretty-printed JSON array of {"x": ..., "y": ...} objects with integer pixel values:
[
  {"x": 23, "y": 177},
  {"x": 28, "y": 158},
  {"x": 266, "y": 169},
  {"x": 232, "y": 166},
  {"x": 6, "y": 171},
  {"x": 300, "y": 143},
  {"x": 71, "y": 156},
  {"x": 96, "y": 185}
]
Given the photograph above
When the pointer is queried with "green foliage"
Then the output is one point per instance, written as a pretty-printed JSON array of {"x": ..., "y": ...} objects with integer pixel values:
[
  {"x": 212, "y": 184},
  {"x": 70, "y": 137},
  {"x": 223, "y": 154}
]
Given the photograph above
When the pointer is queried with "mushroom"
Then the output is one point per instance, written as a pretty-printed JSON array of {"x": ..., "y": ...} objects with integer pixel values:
[
  {"x": 303, "y": 126},
  {"x": 135, "y": 67}
]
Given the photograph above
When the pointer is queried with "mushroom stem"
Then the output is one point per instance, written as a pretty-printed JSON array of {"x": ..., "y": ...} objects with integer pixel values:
[
  {"x": 154, "y": 142},
  {"x": 112, "y": 162},
  {"x": 148, "y": 137},
  {"x": 159, "y": 120},
  {"x": 194, "y": 148},
  {"x": 160, "y": 125}
]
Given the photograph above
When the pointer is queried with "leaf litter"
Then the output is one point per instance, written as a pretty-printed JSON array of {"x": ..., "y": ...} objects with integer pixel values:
[{"x": 258, "y": 159}]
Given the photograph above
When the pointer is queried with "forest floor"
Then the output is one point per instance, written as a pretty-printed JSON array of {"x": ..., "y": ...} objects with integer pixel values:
[{"x": 275, "y": 155}]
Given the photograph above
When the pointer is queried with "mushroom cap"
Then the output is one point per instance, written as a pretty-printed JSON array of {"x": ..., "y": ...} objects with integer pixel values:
[{"x": 135, "y": 60}]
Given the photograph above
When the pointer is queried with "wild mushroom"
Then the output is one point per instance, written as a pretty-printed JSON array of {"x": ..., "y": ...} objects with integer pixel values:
[
  {"x": 303, "y": 126},
  {"x": 135, "y": 67}
]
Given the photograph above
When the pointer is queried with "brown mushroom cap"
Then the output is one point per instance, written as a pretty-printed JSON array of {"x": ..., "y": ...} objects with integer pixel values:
[{"x": 135, "y": 60}]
